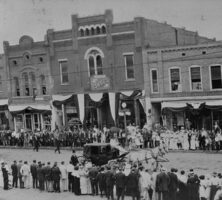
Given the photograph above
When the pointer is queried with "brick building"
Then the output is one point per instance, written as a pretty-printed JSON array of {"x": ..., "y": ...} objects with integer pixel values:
[
  {"x": 85, "y": 73},
  {"x": 29, "y": 84},
  {"x": 184, "y": 85}
]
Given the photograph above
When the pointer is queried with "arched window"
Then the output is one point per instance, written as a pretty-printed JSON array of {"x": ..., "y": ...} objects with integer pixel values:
[
  {"x": 103, "y": 29},
  {"x": 33, "y": 83},
  {"x": 25, "y": 79},
  {"x": 97, "y": 30},
  {"x": 43, "y": 84},
  {"x": 87, "y": 32},
  {"x": 92, "y": 31},
  {"x": 81, "y": 32},
  {"x": 16, "y": 86},
  {"x": 95, "y": 63}
]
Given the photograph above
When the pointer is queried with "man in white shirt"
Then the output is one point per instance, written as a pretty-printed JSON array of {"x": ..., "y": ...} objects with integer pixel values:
[
  {"x": 63, "y": 171},
  {"x": 25, "y": 171}
]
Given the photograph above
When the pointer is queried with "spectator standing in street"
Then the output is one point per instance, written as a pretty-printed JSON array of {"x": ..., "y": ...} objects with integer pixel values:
[
  {"x": 40, "y": 176},
  {"x": 48, "y": 178},
  {"x": 56, "y": 173},
  {"x": 120, "y": 179},
  {"x": 5, "y": 176},
  {"x": 110, "y": 180},
  {"x": 33, "y": 169},
  {"x": 93, "y": 172},
  {"x": 21, "y": 184},
  {"x": 14, "y": 174},
  {"x": 70, "y": 169},
  {"x": 101, "y": 178},
  {"x": 63, "y": 171},
  {"x": 25, "y": 171},
  {"x": 74, "y": 158}
]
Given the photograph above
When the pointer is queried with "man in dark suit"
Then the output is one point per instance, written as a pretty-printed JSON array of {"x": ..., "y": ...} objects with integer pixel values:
[
  {"x": 14, "y": 174},
  {"x": 110, "y": 180},
  {"x": 56, "y": 177},
  {"x": 74, "y": 158},
  {"x": 48, "y": 177},
  {"x": 33, "y": 169},
  {"x": 120, "y": 184},
  {"x": 162, "y": 185},
  {"x": 193, "y": 186},
  {"x": 93, "y": 172},
  {"x": 40, "y": 176},
  {"x": 101, "y": 178},
  {"x": 173, "y": 186},
  {"x": 132, "y": 184}
]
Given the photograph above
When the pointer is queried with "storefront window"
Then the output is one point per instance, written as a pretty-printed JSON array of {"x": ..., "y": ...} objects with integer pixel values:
[
  {"x": 154, "y": 80},
  {"x": 3, "y": 121},
  {"x": 47, "y": 122},
  {"x": 19, "y": 122}
]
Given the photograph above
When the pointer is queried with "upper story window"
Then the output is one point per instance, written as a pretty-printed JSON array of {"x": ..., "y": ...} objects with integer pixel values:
[
  {"x": 94, "y": 57},
  {"x": 195, "y": 78},
  {"x": 64, "y": 71},
  {"x": 216, "y": 80},
  {"x": 43, "y": 84},
  {"x": 175, "y": 82},
  {"x": 25, "y": 79},
  {"x": 154, "y": 80},
  {"x": 33, "y": 83},
  {"x": 129, "y": 66},
  {"x": 17, "y": 86}
]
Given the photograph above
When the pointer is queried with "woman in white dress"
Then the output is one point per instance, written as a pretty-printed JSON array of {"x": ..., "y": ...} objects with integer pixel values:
[
  {"x": 83, "y": 174},
  {"x": 185, "y": 142},
  {"x": 193, "y": 142}
]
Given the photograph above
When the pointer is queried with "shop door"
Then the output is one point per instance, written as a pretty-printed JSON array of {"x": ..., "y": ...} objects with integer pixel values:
[
  {"x": 28, "y": 121},
  {"x": 36, "y": 121}
]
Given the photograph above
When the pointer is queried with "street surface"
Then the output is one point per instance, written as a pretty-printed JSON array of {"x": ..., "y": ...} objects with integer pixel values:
[{"x": 200, "y": 162}]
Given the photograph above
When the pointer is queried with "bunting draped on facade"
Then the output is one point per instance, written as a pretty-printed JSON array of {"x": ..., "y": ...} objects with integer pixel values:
[
  {"x": 81, "y": 100},
  {"x": 96, "y": 96},
  {"x": 112, "y": 103}
]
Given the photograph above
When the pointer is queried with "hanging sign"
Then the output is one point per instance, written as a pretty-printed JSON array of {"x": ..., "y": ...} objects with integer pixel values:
[{"x": 100, "y": 83}]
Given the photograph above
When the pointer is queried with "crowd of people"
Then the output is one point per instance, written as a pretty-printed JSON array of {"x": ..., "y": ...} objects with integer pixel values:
[
  {"x": 109, "y": 181},
  {"x": 133, "y": 136}
]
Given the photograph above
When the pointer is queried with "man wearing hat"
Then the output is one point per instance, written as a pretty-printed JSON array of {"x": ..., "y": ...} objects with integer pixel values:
[
  {"x": 173, "y": 186},
  {"x": 5, "y": 176},
  {"x": 162, "y": 184},
  {"x": 193, "y": 185},
  {"x": 74, "y": 158},
  {"x": 14, "y": 174},
  {"x": 33, "y": 170},
  {"x": 21, "y": 183}
]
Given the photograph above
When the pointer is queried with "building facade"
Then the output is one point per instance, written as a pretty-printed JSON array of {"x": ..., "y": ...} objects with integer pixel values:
[
  {"x": 86, "y": 73},
  {"x": 184, "y": 85}
]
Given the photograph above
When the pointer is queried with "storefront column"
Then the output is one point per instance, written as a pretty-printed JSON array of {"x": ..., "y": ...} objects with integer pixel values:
[
  {"x": 137, "y": 118},
  {"x": 99, "y": 117},
  {"x": 63, "y": 115},
  {"x": 14, "y": 118},
  {"x": 148, "y": 112},
  {"x": 41, "y": 121}
]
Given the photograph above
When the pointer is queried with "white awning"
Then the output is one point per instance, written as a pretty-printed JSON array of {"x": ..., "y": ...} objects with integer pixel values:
[
  {"x": 3, "y": 102},
  {"x": 173, "y": 104},
  {"x": 214, "y": 103},
  {"x": 16, "y": 108},
  {"x": 60, "y": 97}
]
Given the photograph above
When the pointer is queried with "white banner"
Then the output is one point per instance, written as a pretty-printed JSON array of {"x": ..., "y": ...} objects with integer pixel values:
[
  {"x": 81, "y": 100},
  {"x": 96, "y": 96},
  {"x": 112, "y": 103}
]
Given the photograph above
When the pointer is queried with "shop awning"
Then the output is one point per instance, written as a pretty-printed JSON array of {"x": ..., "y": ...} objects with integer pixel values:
[
  {"x": 3, "y": 102},
  {"x": 61, "y": 99},
  {"x": 40, "y": 107},
  {"x": 214, "y": 103}
]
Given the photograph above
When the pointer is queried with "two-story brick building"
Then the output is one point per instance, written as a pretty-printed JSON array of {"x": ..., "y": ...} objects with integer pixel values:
[
  {"x": 86, "y": 72},
  {"x": 28, "y": 83},
  {"x": 184, "y": 85}
]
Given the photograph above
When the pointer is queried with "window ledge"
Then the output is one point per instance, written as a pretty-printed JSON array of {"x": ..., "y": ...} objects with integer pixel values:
[
  {"x": 219, "y": 89},
  {"x": 129, "y": 80},
  {"x": 64, "y": 84}
]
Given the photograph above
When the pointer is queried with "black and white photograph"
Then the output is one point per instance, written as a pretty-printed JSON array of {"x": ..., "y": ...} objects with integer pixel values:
[{"x": 111, "y": 99}]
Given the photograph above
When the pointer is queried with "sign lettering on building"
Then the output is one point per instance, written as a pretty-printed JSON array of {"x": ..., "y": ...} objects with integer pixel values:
[{"x": 100, "y": 83}]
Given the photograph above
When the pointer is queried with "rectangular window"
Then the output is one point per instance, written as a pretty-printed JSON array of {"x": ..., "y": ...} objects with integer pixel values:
[
  {"x": 154, "y": 80},
  {"x": 0, "y": 83},
  {"x": 216, "y": 81},
  {"x": 129, "y": 67},
  {"x": 175, "y": 80},
  {"x": 195, "y": 76},
  {"x": 64, "y": 72}
]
